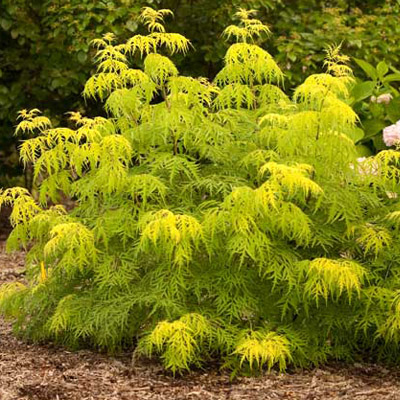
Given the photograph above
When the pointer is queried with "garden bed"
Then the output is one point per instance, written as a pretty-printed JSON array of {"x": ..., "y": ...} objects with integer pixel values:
[{"x": 46, "y": 372}]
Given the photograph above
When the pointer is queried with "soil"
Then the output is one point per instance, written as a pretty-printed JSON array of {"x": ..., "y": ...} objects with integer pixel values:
[{"x": 46, "y": 372}]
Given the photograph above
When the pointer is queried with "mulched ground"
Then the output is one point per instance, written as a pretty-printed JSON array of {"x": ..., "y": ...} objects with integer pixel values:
[{"x": 37, "y": 372}]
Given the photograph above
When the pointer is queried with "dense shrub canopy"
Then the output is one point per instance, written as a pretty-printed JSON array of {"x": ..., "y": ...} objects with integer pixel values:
[{"x": 211, "y": 220}]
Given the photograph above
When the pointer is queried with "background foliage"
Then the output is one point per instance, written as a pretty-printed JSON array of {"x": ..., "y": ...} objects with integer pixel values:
[
  {"x": 377, "y": 101},
  {"x": 44, "y": 53}
]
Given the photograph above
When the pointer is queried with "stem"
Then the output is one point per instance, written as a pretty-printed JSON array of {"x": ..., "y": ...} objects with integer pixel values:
[
  {"x": 175, "y": 145},
  {"x": 165, "y": 97},
  {"x": 320, "y": 109},
  {"x": 168, "y": 104},
  {"x": 388, "y": 270}
]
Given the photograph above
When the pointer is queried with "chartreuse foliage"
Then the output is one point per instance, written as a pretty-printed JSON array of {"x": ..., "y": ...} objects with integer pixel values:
[{"x": 211, "y": 220}]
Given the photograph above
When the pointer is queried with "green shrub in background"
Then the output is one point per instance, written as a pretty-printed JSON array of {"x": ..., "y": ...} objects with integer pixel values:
[
  {"x": 377, "y": 101},
  {"x": 368, "y": 30},
  {"x": 212, "y": 221},
  {"x": 45, "y": 58}
]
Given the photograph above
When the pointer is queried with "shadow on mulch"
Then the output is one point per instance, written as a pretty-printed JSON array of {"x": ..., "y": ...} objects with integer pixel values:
[
  {"x": 5, "y": 226},
  {"x": 45, "y": 372}
]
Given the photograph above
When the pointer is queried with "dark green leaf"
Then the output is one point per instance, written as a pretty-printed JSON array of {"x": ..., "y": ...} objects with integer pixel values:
[
  {"x": 356, "y": 134},
  {"x": 82, "y": 57},
  {"x": 382, "y": 69},
  {"x": 367, "y": 68},
  {"x": 6, "y": 24},
  {"x": 363, "y": 90},
  {"x": 372, "y": 127},
  {"x": 392, "y": 78}
]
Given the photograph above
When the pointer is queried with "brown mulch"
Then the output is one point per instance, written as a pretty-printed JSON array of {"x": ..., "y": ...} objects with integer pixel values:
[{"x": 46, "y": 372}]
